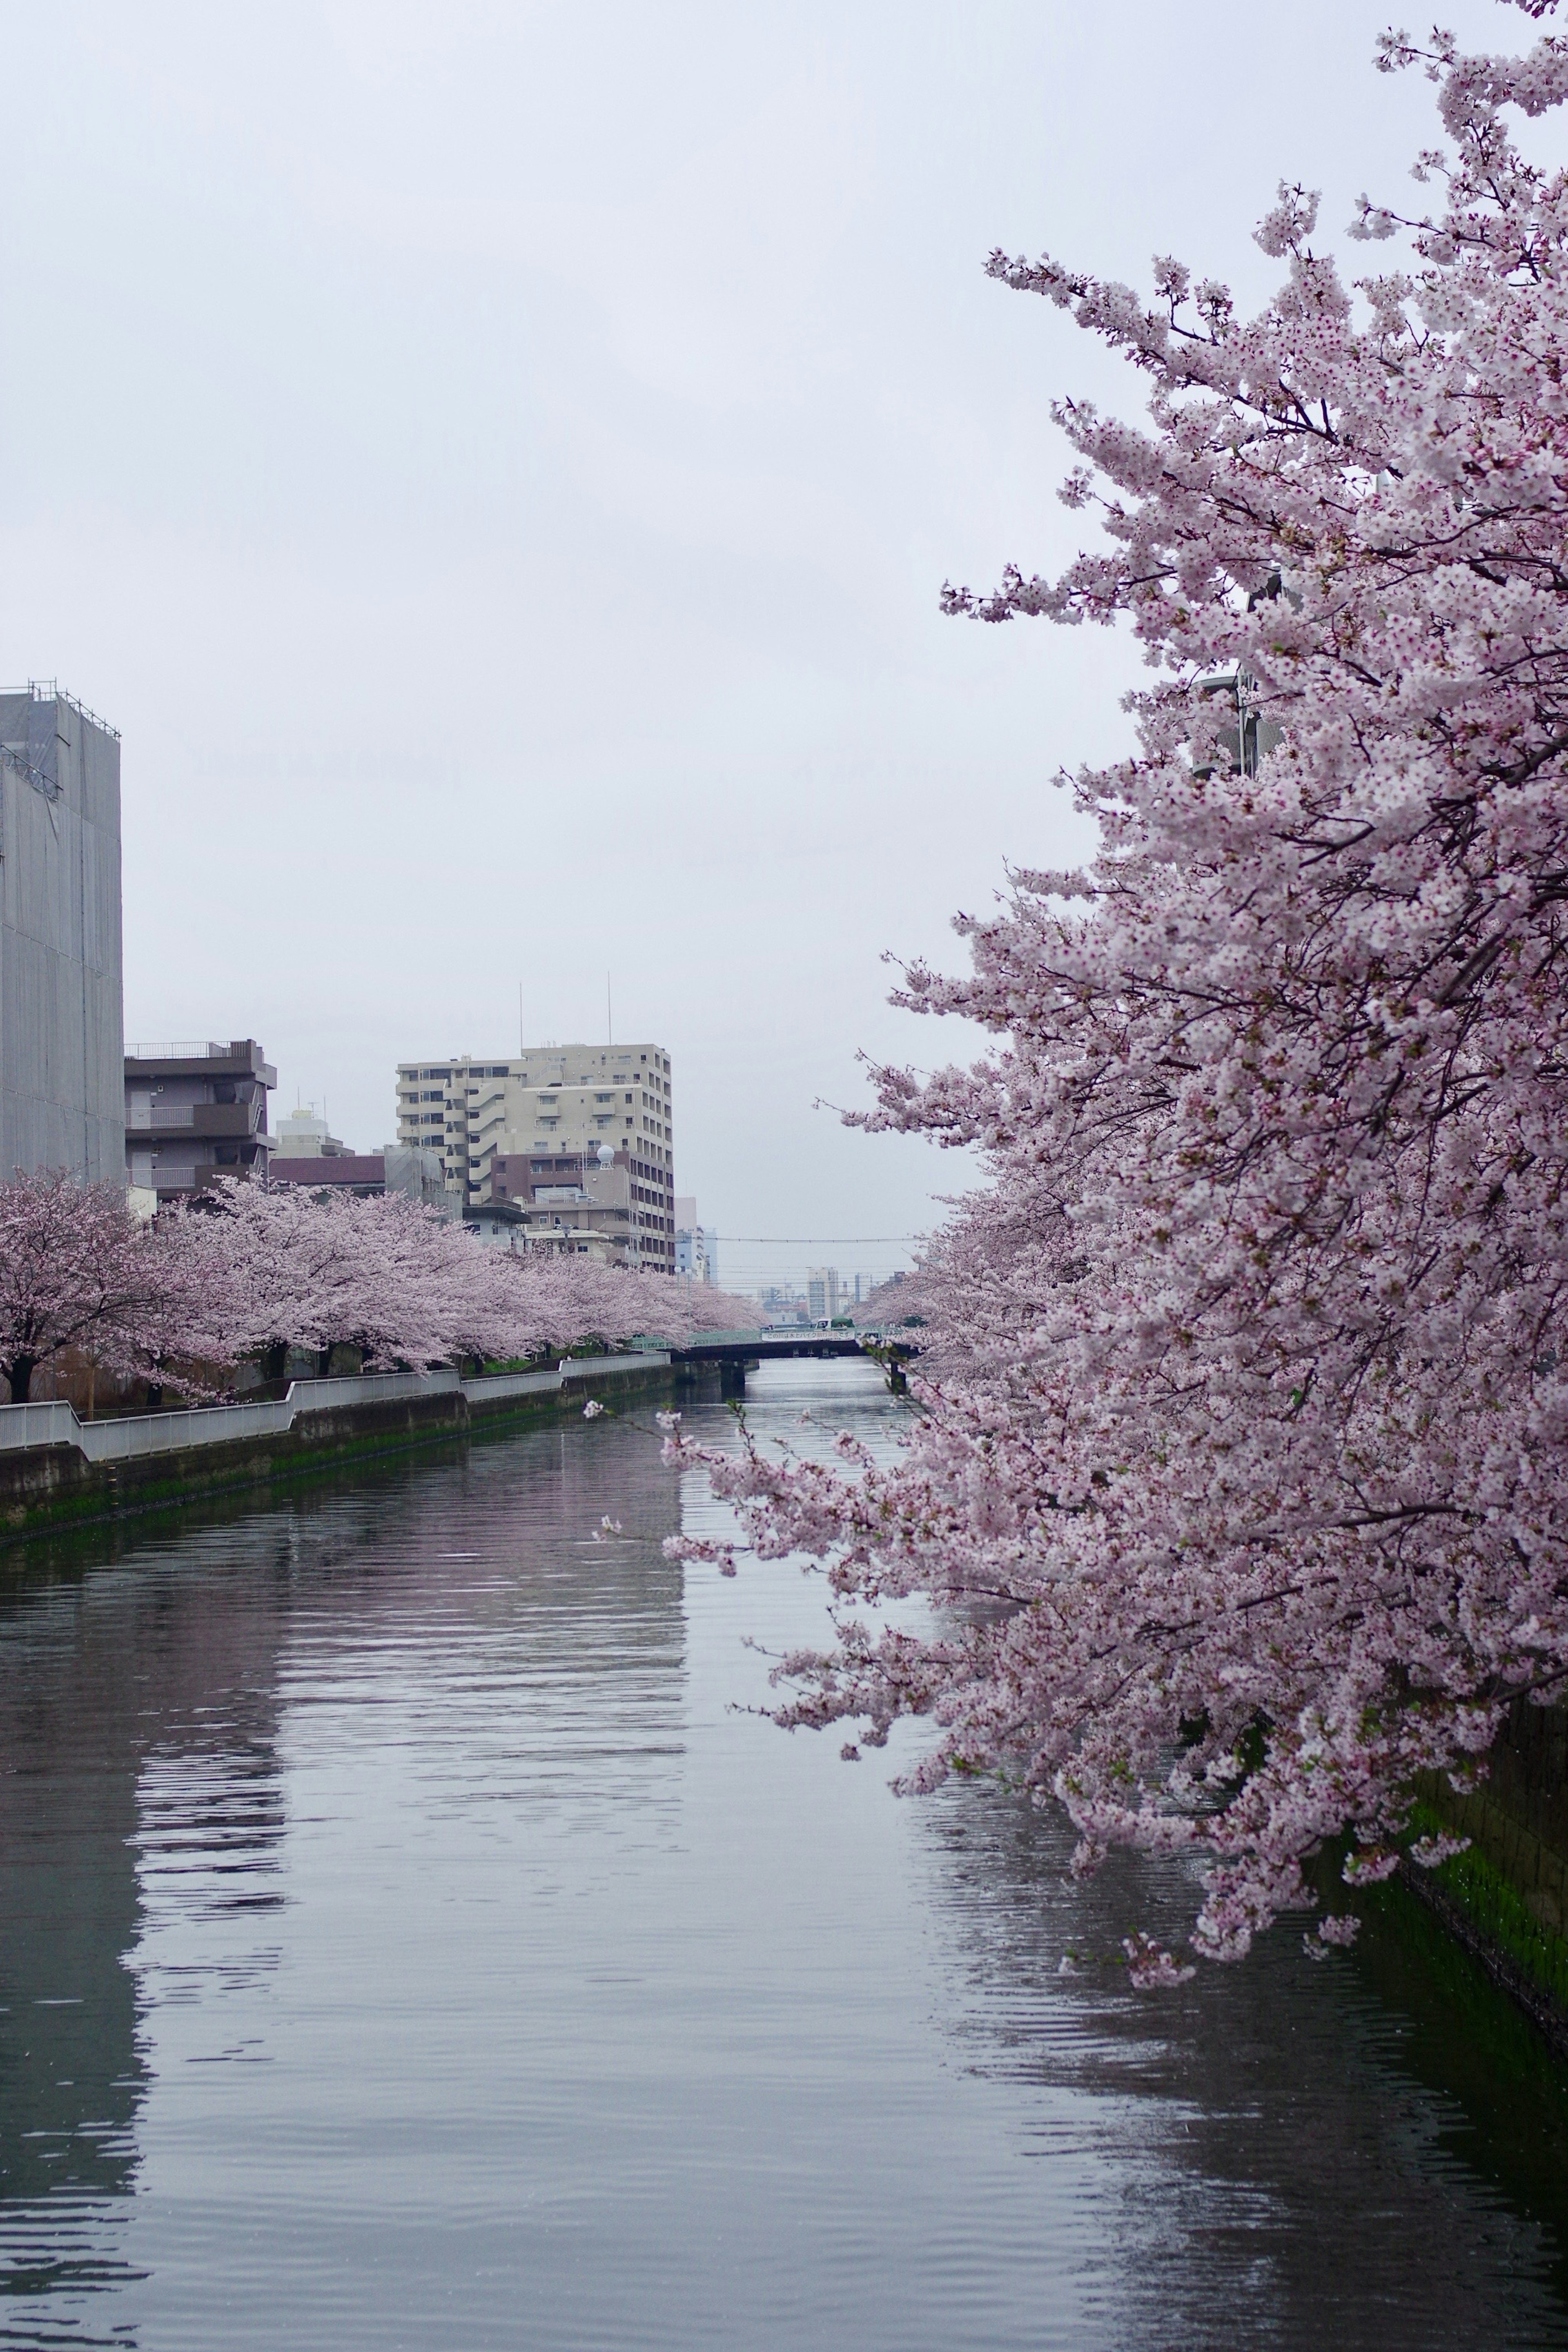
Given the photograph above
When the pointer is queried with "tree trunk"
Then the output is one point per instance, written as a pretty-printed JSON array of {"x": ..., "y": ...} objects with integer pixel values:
[{"x": 20, "y": 1373}]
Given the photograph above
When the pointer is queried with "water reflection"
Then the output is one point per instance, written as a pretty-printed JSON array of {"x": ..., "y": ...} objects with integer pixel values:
[
  {"x": 403, "y": 1940},
  {"x": 1288, "y": 2175},
  {"x": 141, "y": 1797}
]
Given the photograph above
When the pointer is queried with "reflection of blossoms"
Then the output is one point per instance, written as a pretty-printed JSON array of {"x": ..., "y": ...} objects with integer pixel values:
[{"x": 1238, "y": 1490}]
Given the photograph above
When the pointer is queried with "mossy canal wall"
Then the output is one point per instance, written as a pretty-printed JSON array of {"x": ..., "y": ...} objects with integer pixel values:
[
  {"x": 1507, "y": 1899},
  {"x": 57, "y": 1473}
]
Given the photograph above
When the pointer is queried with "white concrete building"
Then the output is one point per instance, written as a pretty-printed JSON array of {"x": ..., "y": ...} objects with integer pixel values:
[
  {"x": 826, "y": 1297},
  {"x": 303, "y": 1135},
  {"x": 696, "y": 1246},
  {"x": 526, "y": 1133}
]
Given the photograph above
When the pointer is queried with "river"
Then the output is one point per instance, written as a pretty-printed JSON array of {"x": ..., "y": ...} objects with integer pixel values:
[{"x": 409, "y": 1939}]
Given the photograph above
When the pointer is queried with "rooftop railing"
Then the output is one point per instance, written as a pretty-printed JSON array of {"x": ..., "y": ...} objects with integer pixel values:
[
  {"x": 190, "y": 1049},
  {"x": 49, "y": 689}
]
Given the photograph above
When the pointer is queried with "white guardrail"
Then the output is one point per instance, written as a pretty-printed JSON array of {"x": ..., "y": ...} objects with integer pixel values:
[{"x": 120, "y": 1440}]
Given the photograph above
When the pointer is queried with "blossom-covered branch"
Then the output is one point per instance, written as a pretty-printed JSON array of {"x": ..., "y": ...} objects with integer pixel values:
[{"x": 1241, "y": 1484}]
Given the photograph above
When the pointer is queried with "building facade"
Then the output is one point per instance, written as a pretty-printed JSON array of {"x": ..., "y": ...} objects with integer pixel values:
[
  {"x": 826, "y": 1295},
  {"x": 62, "y": 1101},
  {"x": 696, "y": 1246},
  {"x": 301, "y": 1135},
  {"x": 541, "y": 1122},
  {"x": 581, "y": 1202},
  {"x": 365, "y": 1174},
  {"x": 193, "y": 1111}
]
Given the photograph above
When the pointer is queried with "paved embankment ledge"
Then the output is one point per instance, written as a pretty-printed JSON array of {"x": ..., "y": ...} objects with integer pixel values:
[{"x": 56, "y": 1470}]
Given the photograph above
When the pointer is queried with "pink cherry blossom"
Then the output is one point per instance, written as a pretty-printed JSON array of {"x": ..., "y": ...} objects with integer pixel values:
[
  {"x": 1238, "y": 1484},
  {"x": 72, "y": 1274}
]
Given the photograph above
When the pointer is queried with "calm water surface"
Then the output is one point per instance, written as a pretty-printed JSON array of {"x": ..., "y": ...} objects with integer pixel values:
[{"x": 405, "y": 1940}]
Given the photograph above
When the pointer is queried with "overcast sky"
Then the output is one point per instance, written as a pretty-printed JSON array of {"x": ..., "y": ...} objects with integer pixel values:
[{"x": 497, "y": 464}]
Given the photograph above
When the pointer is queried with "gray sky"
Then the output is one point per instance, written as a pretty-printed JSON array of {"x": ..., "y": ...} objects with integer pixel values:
[{"x": 497, "y": 464}]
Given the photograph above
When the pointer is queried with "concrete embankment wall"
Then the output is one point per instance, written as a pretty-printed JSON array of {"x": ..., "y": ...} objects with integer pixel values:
[{"x": 57, "y": 1471}]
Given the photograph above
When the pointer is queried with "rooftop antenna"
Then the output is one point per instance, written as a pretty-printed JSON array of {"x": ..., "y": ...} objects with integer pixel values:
[
  {"x": 609, "y": 1014},
  {"x": 521, "y": 1046}
]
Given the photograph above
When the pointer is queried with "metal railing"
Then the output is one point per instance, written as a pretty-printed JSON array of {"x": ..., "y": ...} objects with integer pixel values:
[
  {"x": 187, "y": 1049},
  {"x": 20, "y": 765},
  {"x": 49, "y": 689}
]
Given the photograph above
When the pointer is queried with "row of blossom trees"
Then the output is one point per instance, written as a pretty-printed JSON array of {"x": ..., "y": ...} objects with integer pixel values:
[
  {"x": 247, "y": 1274},
  {"x": 1242, "y": 1480}
]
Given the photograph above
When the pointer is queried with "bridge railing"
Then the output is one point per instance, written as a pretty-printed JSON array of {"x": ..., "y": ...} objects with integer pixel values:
[{"x": 771, "y": 1334}]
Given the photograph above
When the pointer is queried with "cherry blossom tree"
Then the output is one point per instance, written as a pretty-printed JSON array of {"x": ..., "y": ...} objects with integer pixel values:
[
  {"x": 1240, "y": 1482},
  {"x": 73, "y": 1272},
  {"x": 262, "y": 1270},
  {"x": 271, "y": 1269},
  {"x": 709, "y": 1309}
]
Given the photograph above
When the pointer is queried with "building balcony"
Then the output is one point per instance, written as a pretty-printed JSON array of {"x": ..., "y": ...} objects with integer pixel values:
[{"x": 225, "y": 1119}]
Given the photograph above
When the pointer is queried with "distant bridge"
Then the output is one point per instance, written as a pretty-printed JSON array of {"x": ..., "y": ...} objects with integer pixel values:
[{"x": 763, "y": 1346}]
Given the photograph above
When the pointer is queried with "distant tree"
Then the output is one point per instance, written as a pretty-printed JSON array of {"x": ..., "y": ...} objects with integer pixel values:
[
  {"x": 712, "y": 1309},
  {"x": 74, "y": 1272},
  {"x": 257, "y": 1272},
  {"x": 1242, "y": 1479},
  {"x": 270, "y": 1270}
]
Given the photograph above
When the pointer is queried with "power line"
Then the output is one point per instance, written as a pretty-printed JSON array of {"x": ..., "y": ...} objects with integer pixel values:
[{"x": 810, "y": 1241}]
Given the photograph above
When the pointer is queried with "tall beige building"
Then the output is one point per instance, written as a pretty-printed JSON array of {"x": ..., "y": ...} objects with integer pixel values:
[{"x": 525, "y": 1139}]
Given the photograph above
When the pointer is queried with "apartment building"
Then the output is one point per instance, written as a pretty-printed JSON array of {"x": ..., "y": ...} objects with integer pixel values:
[
  {"x": 550, "y": 1120},
  {"x": 574, "y": 1202},
  {"x": 826, "y": 1295},
  {"x": 193, "y": 1110},
  {"x": 62, "y": 1101}
]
